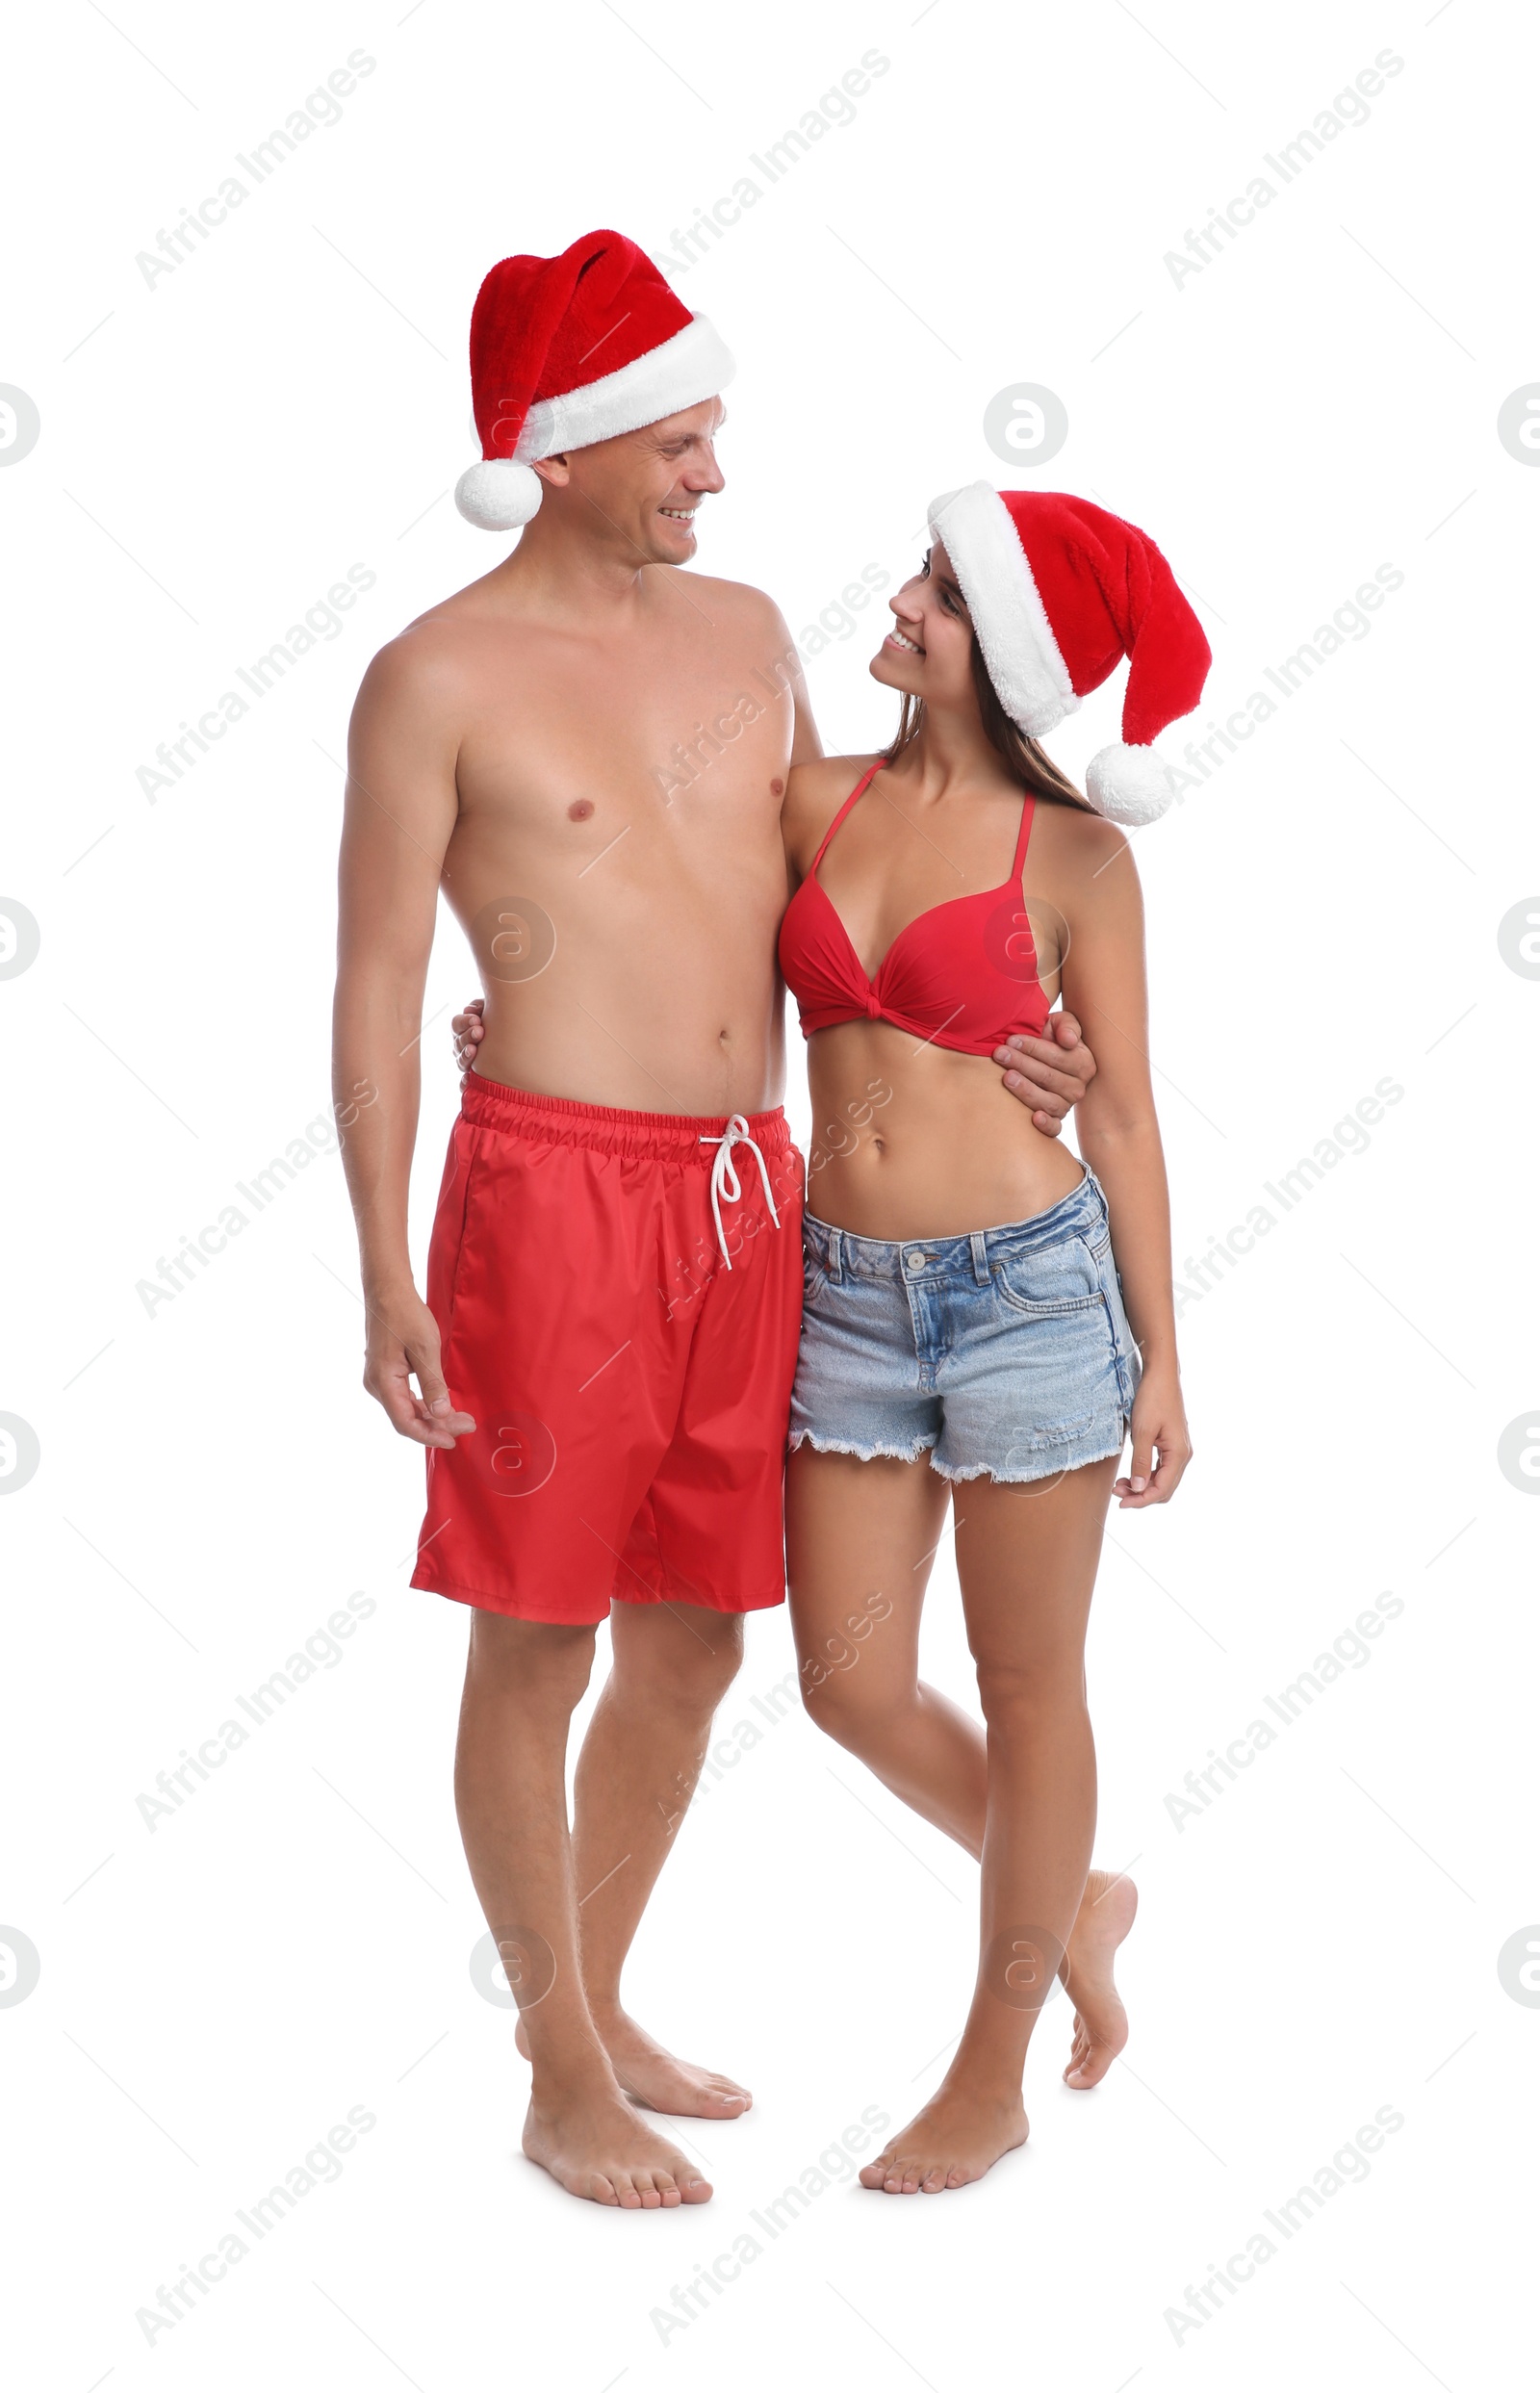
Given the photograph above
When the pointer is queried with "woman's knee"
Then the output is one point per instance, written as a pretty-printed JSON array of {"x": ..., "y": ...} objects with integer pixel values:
[
  {"x": 1029, "y": 1697},
  {"x": 849, "y": 1706}
]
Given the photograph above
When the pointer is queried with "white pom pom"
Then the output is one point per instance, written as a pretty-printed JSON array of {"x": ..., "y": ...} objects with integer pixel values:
[
  {"x": 1130, "y": 785},
  {"x": 499, "y": 494}
]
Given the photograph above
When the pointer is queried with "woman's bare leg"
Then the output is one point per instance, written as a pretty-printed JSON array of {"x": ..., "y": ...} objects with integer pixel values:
[
  {"x": 856, "y": 1530},
  {"x": 1027, "y": 1567},
  {"x": 861, "y": 1537}
]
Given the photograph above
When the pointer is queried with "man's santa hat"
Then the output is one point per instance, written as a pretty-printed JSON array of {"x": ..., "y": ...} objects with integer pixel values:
[
  {"x": 1059, "y": 591},
  {"x": 568, "y": 350}
]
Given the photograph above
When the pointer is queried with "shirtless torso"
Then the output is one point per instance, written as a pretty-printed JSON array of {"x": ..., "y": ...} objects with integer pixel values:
[
  {"x": 605, "y": 796},
  {"x": 616, "y": 859}
]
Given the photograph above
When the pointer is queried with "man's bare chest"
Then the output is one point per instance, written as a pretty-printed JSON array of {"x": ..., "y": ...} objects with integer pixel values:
[{"x": 633, "y": 730}]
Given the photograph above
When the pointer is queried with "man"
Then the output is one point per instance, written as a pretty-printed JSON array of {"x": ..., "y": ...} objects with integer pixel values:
[{"x": 587, "y": 749}]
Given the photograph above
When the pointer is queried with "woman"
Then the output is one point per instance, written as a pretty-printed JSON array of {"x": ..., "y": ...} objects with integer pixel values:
[{"x": 942, "y": 901}]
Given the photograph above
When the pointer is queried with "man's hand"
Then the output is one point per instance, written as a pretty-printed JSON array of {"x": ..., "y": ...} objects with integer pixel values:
[
  {"x": 470, "y": 1030},
  {"x": 1051, "y": 1074},
  {"x": 403, "y": 1343}
]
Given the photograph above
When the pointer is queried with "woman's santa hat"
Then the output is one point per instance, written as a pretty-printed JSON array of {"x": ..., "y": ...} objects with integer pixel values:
[
  {"x": 568, "y": 350},
  {"x": 1059, "y": 591}
]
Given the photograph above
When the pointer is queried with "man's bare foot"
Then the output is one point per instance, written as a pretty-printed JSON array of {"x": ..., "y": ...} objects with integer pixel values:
[
  {"x": 653, "y": 2079},
  {"x": 956, "y": 2138},
  {"x": 599, "y": 2150},
  {"x": 1101, "y": 2024}
]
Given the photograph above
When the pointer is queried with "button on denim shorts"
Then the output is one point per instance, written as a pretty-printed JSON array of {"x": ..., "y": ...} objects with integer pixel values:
[{"x": 1005, "y": 1353}]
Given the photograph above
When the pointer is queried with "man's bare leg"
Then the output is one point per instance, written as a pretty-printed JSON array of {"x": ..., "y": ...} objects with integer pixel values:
[
  {"x": 636, "y": 1774},
  {"x": 523, "y": 1680}
]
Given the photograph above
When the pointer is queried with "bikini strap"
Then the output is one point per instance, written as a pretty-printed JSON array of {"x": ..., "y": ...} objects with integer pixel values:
[
  {"x": 1028, "y": 810},
  {"x": 858, "y": 791}
]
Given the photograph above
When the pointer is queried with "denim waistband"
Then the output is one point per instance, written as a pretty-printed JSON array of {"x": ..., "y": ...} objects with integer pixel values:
[{"x": 843, "y": 1256}]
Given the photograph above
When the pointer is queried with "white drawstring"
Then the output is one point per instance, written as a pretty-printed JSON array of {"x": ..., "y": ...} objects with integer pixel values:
[{"x": 725, "y": 1177}]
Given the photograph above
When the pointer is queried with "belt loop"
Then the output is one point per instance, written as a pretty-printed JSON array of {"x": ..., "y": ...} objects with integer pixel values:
[
  {"x": 980, "y": 1258},
  {"x": 837, "y": 1270}
]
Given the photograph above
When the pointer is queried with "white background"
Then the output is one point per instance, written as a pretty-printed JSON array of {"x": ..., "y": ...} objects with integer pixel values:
[{"x": 217, "y": 448}]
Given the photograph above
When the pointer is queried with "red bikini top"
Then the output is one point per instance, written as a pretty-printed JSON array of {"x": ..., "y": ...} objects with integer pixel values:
[{"x": 964, "y": 975}]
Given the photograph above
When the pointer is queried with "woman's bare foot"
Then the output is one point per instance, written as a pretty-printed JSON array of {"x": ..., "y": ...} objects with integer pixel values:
[
  {"x": 596, "y": 2146},
  {"x": 653, "y": 2079},
  {"x": 956, "y": 2138},
  {"x": 1101, "y": 2024}
]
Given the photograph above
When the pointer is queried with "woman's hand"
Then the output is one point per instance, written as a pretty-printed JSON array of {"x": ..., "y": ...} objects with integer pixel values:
[
  {"x": 1159, "y": 1430},
  {"x": 468, "y": 1030}
]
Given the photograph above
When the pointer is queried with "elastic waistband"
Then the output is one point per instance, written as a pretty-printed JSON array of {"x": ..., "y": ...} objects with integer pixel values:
[
  {"x": 609, "y": 1129},
  {"x": 841, "y": 1251}
]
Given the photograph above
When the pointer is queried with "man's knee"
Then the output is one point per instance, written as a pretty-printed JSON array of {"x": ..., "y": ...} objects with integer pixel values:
[
  {"x": 673, "y": 1662},
  {"x": 542, "y": 1665}
]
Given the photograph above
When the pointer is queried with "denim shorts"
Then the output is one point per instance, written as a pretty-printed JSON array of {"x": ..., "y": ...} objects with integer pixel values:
[{"x": 1005, "y": 1353}]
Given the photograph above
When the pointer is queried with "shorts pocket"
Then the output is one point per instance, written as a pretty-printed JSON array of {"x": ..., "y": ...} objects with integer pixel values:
[
  {"x": 447, "y": 1245},
  {"x": 1040, "y": 1281},
  {"x": 815, "y": 1278},
  {"x": 1067, "y": 1385}
]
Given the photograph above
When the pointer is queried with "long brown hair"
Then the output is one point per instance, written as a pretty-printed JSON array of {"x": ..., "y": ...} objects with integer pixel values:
[{"x": 1032, "y": 765}]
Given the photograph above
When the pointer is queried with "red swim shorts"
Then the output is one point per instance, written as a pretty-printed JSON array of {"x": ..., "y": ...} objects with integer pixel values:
[{"x": 630, "y": 1389}]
